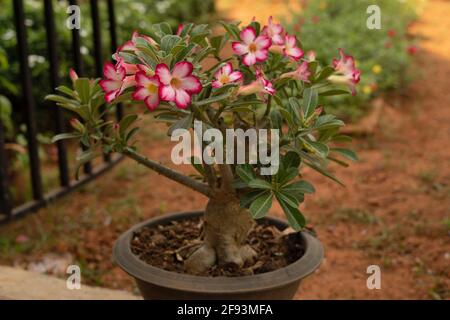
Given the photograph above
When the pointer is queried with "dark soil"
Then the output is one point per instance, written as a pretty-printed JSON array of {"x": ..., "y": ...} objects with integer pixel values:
[{"x": 167, "y": 246}]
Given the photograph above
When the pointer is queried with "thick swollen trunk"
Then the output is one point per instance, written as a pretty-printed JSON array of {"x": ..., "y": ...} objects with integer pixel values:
[{"x": 226, "y": 227}]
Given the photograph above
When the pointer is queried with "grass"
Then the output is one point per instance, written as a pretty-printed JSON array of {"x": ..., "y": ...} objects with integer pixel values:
[{"x": 354, "y": 215}]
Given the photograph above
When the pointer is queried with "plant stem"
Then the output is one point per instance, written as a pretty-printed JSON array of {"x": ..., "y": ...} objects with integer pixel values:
[{"x": 169, "y": 173}]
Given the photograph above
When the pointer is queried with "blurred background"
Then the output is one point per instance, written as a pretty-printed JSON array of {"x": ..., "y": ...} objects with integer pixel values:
[{"x": 394, "y": 211}]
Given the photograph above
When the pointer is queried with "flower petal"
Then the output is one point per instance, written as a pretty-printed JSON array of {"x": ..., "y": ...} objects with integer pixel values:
[
  {"x": 167, "y": 93},
  {"x": 261, "y": 55},
  {"x": 182, "y": 99},
  {"x": 249, "y": 59},
  {"x": 262, "y": 42},
  {"x": 217, "y": 84},
  {"x": 110, "y": 96},
  {"x": 248, "y": 35},
  {"x": 141, "y": 93},
  {"x": 111, "y": 72},
  {"x": 192, "y": 85},
  {"x": 182, "y": 69},
  {"x": 235, "y": 76},
  {"x": 295, "y": 53},
  {"x": 142, "y": 79},
  {"x": 163, "y": 73},
  {"x": 110, "y": 85},
  {"x": 152, "y": 101},
  {"x": 227, "y": 68},
  {"x": 239, "y": 48}
]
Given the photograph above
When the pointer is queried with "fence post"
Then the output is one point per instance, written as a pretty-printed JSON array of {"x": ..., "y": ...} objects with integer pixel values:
[
  {"x": 79, "y": 68},
  {"x": 5, "y": 199},
  {"x": 30, "y": 118},
  {"x": 52, "y": 42},
  {"x": 113, "y": 36}
]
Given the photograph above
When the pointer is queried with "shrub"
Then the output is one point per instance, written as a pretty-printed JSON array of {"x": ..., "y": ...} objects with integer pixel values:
[{"x": 383, "y": 56}]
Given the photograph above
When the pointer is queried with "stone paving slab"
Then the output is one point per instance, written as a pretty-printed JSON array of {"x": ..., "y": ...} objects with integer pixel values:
[{"x": 18, "y": 284}]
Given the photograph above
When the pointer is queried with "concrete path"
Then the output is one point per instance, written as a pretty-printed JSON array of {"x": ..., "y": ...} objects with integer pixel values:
[{"x": 18, "y": 284}]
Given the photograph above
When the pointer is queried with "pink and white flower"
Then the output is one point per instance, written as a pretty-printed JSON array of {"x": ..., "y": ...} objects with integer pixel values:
[
  {"x": 260, "y": 86},
  {"x": 226, "y": 75},
  {"x": 179, "y": 85},
  {"x": 302, "y": 73},
  {"x": 130, "y": 45},
  {"x": 291, "y": 49},
  {"x": 253, "y": 49},
  {"x": 274, "y": 31},
  {"x": 346, "y": 71},
  {"x": 116, "y": 81},
  {"x": 147, "y": 90}
]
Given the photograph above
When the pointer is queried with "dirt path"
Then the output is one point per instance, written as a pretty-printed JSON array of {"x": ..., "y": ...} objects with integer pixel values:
[{"x": 394, "y": 212}]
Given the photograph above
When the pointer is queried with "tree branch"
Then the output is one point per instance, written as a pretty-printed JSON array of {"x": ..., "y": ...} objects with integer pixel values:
[{"x": 169, "y": 173}]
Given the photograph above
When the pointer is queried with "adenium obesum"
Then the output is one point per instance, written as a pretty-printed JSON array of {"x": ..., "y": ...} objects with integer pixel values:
[{"x": 247, "y": 77}]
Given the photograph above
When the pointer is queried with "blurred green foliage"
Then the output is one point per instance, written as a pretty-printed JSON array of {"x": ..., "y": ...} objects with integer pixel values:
[
  {"x": 382, "y": 55},
  {"x": 130, "y": 16}
]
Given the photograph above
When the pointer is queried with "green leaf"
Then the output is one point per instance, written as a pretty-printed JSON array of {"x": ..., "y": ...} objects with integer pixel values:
[
  {"x": 349, "y": 154},
  {"x": 212, "y": 99},
  {"x": 291, "y": 159},
  {"x": 289, "y": 199},
  {"x": 131, "y": 133},
  {"x": 183, "y": 123},
  {"x": 261, "y": 205},
  {"x": 126, "y": 122},
  {"x": 287, "y": 175},
  {"x": 333, "y": 93},
  {"x": 83, "y": 89},
  {"x": 64, "y": 136},
  {"x": 295, "y": 217},
  {"x": 169, "y": 41},
  {"x": 310, "y": 98},
  {"x": 294, "y": 108},
  {"x": 316, "y": 147},
  {"x": 245, "y": 172},
  {"x": 301, "y": 186},
  {"x": 325, "y": 73},
  {"x": 247, "y": 199},
  {"x": 259, "y": 184}
]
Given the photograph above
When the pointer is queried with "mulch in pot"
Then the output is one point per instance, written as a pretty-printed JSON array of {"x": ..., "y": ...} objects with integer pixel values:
[{"x": 167, "y": 246}]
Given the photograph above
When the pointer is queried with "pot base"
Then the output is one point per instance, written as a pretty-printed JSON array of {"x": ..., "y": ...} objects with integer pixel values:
[{"x": 156, "y": 283}]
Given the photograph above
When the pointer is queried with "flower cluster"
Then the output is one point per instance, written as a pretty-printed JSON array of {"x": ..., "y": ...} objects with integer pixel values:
[{"x": 177, "y": 82}]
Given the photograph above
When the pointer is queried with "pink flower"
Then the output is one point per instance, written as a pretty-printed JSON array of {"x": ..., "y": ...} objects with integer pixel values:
[
  {"x": 291, "y": 49},
  {"x": 129, "y": 67},
  {"x": 226, "y": 75},
  {"x": 311, "y": 55},
  {"x": 260, "y": 86},
  {"x": 179, "y": 85},
  {"x": 116, "y": 81},
  {"x": 254, "y": 49},
  {"x": 302, "y": 73},
  {"x": 147, "y": 90},
  {"x": 130, "y": 45},
  {"x": 73, "y": 75},
  {"x": 412, "y": 50},
  {"x": 180, "y": 29},
  {"x": 274, "y": 32},
  {"x": 347, "y": 72},
  {"x": 391, "y": 33}
]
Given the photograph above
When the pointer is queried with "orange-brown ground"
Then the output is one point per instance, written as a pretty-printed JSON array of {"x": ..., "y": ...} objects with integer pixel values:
[{"x": 393, "y": 213}]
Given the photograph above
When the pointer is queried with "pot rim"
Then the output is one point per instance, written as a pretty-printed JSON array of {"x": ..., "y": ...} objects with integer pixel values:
[{"x": 130, "y": 263}]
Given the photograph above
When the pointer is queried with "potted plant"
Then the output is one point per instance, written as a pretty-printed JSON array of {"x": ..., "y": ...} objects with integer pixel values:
[{"x": 265, "y": 81}]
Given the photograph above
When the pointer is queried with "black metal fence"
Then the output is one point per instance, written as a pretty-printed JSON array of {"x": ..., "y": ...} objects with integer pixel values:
[{"x": 40, "y": 198}]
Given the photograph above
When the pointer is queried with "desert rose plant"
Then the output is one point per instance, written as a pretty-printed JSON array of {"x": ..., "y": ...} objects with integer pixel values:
[{"x": 264, "y": 80}]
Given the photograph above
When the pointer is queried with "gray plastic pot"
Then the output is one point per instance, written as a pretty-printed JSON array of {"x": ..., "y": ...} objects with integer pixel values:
[{"x": 156, "y": 283}]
